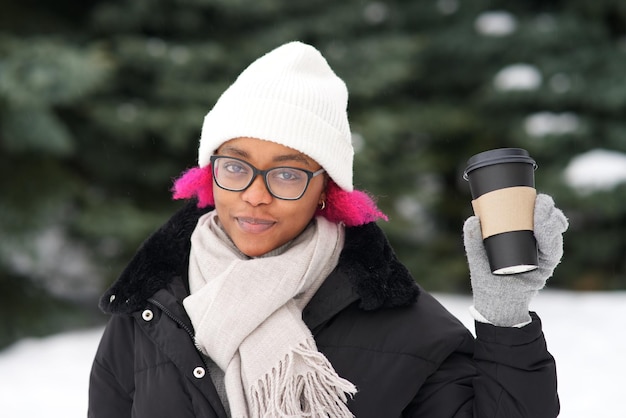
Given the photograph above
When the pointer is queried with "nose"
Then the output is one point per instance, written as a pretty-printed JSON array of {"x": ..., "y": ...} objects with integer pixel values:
[{"x": 257, "y": 193}]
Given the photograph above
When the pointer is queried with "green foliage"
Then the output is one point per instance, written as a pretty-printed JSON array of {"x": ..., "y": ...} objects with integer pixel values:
[
  {"x": 39, "y": 313},
  {"x": 44, "y": 72},
  {"x": 101, "y": 107}
]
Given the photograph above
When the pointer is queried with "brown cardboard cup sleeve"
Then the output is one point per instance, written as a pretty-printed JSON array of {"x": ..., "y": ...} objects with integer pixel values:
[{"x": 505, "y": 210}]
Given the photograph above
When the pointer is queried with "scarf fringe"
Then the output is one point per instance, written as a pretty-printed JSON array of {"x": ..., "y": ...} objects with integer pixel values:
[{"x": 303, "y": 384}]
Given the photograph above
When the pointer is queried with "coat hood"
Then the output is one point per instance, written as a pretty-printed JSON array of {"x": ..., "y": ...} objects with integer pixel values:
[{"x": 367, "y": 260}]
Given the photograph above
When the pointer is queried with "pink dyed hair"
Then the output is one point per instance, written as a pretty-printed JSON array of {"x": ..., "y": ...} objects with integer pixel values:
[{"x": 351, "y": 208}]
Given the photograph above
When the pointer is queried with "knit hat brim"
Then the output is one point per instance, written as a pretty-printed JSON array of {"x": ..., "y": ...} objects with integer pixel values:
[{"x": 281, "y": 123}]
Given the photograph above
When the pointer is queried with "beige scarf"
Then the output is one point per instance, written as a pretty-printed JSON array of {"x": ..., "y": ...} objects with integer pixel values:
[{"x": 247, "y": 315}]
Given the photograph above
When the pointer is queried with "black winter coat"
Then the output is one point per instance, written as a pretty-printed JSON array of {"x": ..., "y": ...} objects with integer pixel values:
[{"x": 406, "y": 354}]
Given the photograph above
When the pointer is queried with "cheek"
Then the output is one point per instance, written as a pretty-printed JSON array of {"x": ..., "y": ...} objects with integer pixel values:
[
  {"x": 223, "y": 201},
  {"x": 309, "y": 203},
  {"x": 309, "y": 206},
  {"x": 220, "y": 196}
]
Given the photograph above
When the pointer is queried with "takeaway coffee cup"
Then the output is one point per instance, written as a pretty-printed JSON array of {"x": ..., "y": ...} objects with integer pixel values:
[{"x": 502, "y": 183}]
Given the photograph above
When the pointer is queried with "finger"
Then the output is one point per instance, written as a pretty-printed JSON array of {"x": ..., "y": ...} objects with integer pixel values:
[
  {"x": 548, "y": 215},
  {"x": 550, "y": 223}
]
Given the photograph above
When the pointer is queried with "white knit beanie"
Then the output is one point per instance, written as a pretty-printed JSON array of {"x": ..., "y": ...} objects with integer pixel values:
[{"x": 292, "y": 97}]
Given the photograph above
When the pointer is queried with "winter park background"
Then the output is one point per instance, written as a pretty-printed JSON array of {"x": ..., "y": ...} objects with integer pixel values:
[{"x": 101, "y": 104}]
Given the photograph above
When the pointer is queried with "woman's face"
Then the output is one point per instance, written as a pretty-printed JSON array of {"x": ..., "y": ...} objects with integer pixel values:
[{"x": 256, "y": 221}]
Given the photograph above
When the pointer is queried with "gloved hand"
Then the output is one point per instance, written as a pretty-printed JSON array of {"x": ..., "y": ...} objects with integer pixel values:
[{"x": 504, "y": 300}]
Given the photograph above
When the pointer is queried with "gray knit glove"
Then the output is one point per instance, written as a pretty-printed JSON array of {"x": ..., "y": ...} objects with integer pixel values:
[{"x": 504, "y": 300}]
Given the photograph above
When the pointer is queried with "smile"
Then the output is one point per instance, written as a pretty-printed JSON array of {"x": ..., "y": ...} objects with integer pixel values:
[{"x": 254, "y": 225}]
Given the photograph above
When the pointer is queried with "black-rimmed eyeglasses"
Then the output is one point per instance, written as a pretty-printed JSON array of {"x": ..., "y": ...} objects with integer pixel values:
[{"x": 235, "y": 175}]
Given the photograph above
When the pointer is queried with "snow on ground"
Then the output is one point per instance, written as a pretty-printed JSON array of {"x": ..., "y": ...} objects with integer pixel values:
[
  {"x": 585, "y": 334},
  {"x": 49, "y": 377}
]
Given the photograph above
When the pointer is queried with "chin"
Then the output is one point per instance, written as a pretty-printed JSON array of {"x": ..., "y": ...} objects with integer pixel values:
[{"x": 253, "y": 251}]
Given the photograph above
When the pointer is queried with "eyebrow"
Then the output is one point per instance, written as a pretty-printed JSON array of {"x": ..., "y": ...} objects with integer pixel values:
[{"x": 299, "y": 157}]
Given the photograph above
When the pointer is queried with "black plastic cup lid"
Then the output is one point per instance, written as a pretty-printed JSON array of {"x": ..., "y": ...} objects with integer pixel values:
[{"x": 498, "y": 156}]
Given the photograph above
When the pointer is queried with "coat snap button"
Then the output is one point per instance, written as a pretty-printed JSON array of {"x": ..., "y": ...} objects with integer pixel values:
[
  {"x": 147, "y": 315},
  {"x": 198, "y": 372}
]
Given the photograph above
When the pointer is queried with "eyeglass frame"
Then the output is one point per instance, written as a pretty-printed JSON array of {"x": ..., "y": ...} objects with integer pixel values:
[{"x": 263, "y": 173}]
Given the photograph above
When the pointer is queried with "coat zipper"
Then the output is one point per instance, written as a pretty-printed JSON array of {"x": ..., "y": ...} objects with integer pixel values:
[{"x": 184, "y": 326}]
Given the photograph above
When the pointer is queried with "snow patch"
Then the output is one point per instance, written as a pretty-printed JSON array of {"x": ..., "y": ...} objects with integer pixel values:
[
  {"x": 518, "y": 77},
  {"x": 596, "y": 170},
  {"x": 495, "y": 23},
  {"x": 548, "y": 123}
]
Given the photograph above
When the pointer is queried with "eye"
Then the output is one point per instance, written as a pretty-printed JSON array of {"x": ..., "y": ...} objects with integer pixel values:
[
  {"x": 235, "y": 167},
  {"x": 287, "y": 174}
]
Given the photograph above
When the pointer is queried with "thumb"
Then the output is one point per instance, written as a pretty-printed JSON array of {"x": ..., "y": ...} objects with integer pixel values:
[{"x": 473, "y": 239}]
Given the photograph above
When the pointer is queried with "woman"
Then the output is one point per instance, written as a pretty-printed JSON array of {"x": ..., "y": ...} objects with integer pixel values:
[{"x": 274, "y": 293}]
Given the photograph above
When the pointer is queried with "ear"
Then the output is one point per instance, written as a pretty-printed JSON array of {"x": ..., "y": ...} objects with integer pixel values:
[
  {"x": 323, "y": 195},
  {"x": 322, "y": 199}
]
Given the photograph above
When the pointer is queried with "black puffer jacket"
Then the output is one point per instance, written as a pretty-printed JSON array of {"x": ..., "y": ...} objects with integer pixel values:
[{"x": 406, "y": 354}]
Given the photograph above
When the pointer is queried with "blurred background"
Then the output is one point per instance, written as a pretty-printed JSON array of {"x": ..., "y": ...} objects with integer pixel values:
[{"x": 101, "y": 105}]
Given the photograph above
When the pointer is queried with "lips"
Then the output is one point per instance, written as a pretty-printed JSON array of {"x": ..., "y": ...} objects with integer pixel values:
[{"x": 254, "y": 225}]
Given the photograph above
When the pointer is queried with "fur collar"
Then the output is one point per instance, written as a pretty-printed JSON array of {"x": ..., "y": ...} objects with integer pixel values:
[{"x": 369, "y": 262}]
